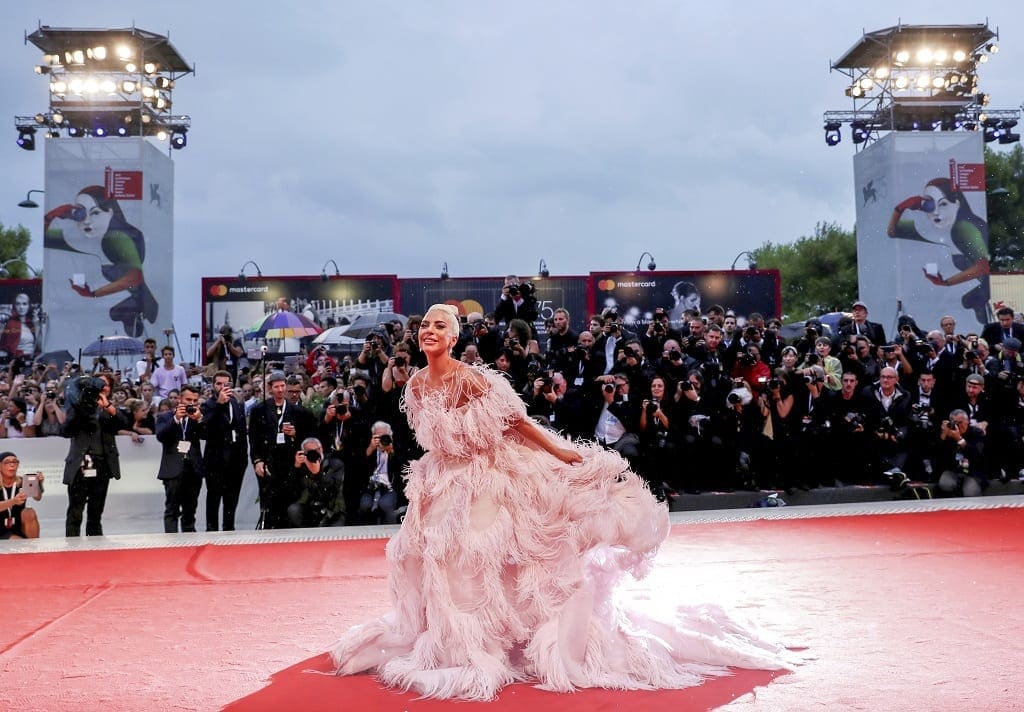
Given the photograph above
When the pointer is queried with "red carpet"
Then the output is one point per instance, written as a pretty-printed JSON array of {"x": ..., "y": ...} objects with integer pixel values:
[{"x": 900, "y": 612}]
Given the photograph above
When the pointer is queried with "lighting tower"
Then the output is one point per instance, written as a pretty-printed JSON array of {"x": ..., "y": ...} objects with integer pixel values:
[
  {"x": 919, "y": 78},
  {"x": 107, "y": 83}
]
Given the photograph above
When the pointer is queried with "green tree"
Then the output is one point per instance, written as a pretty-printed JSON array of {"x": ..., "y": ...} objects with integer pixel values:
[
  {"x": 1004, "y": 178},
  {"x": 818, "y": 273},
  {"x": 14, "y": 243}
]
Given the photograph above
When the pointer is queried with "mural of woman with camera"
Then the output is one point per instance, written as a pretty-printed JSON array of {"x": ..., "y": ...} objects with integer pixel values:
[
  {"x": 960, "y": 237},
  {"x": 95, "y": 225}
]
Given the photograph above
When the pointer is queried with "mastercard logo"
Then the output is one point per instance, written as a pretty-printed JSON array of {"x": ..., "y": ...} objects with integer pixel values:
[
  {"x": 218, "y": 290},
  {"x": 606, "y": 285}
]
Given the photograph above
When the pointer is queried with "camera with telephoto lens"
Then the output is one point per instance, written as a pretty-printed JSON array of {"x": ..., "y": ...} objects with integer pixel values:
[
  {"x": 746, "y": 360},
  {"x": 385, "y": 439},
  {"x": 886, "y": 426},
  {"x": 609, "y": 388},
  {"x": 525, "y": 290},
  {"x": 854, "y": 420},
  {"x": 400, "y": 361},
  {"x": 658, "y": 327},
  {"x": 921, "y": 416},
  {"x": 312, "y": 455}
]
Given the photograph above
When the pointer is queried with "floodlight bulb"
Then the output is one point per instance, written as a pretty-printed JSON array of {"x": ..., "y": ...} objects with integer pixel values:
[
  {"x": 938, "y": 82},
  {"x": 130, "y": 67},
  {"x": 866, "y": 83},
  {"x": 959, "y": 55},
  {"x": 992, "y": 48},
  {"x": 982, "y": 59},
  {"x": 856, "y": 91},
  {"x": 149, "y": 67},
  {"x": 76, "y": 86},
  {"x": 58, "y": 87},
  {"x": 58, "y": 118},
  {"x": 146, "y": 118},
  {"x": 881, "y": 72},
  {"x": 923, "y": 81},
  {"x": 924, "y": 55},
  {"x": 99, "y": 52},
  {"x": 128, "y": 86},
  {"x": 902, "y": 82},
  {"x": 91, "y": 86},
  {"x": 124, "y": 52},
  {"x": 162, "y": 135},
  {"x": 148, "y": 91},
  {"x": 902, "y": 56},
  {"x": 940, "y": 56},
  {"x": 108, "y": 86}
]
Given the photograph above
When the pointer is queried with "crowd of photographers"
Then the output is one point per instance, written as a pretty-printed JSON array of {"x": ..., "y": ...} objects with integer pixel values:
[{"x": 715, "y": 402}]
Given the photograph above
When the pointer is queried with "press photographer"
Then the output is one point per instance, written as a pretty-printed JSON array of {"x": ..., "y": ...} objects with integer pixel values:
[
  {"x": 224, "y": 353},
  {"x": 517, "y": 301},
  {"x": 383, "y": 493},
  {"x": 321, "y": 502},
  {"x": 962, "y": 454}
]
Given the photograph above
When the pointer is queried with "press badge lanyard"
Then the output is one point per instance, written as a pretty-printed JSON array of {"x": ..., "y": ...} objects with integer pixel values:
[{"x": 9, "y": 519}]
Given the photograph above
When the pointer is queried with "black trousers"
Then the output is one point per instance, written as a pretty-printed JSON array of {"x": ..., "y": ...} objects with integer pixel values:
[
  {"x": 181, "y": 498},
  {"x": 223, "y": 484},
  {"x": 86, "y": 495}
]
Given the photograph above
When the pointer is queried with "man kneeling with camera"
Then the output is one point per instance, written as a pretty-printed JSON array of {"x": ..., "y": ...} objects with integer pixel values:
[
  {"x": 383, "y": 493},
  {"x": 321, "y": 501}
]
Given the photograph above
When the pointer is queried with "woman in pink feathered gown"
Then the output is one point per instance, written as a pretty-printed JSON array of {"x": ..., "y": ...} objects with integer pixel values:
[{"x": 506, "y": 565}]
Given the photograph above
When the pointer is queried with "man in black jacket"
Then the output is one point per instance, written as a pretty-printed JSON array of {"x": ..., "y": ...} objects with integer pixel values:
[
  {"x": 276, "y": 430},
  {"x": 181, "y": 462},
  {"x": 321, "y": 502},
  {"x": 226, "y": 455},
  {"x": 92, "y": 459}
]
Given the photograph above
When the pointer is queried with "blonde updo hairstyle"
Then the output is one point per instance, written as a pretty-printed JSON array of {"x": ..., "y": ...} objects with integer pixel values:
[{"x": 451, "y": 316}]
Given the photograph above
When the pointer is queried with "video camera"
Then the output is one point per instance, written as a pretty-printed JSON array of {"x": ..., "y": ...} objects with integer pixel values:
[{"x": 524, "y": 289}]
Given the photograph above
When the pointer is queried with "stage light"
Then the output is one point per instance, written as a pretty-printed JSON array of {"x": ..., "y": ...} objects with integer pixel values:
[
  {"x": 161, "y": 135},
  {"x": 923, "y": 80},
  {"x": 100, "y": 132},
  {"x": 881, "y": 72},
  {"x": 107, "y": 86},
  {"x": 179, "y": 140},
  {"x": 149, "y": 67},
  {"x": 58, "y": 87},
  {"x": 832, "y": 134},
  {"x": 938, "y": 82},
  {"x": 130, "y": 67},
  {"x": 866, "y": 83},
  {"x": 27, "y": 138},
  {"x": 959, "y": 55},
  {"x": 940, "y": 56},
  {"x": 651, "y": 266},
  {"x": 122, "y": 130},
  {"x": 992, "y": 48},
  {"x": 148, "y": 92},
  {"x": 924, "y": 55},
  {"x": 42, "y": 69},
  {"x": 164, "y": 83},
  {"x": 40, "y": 118},
  {"x": 981, "y": 99},
  {"x": 128, "y": 86},
  {"x": 902, "y": 56},
  {"x": 860, "y": 131},
  {"x": 902, "y": 82},
  {"x": 74, "y": 131},
  {"x": 146, "y": 118},
  {"x": 1009, "y": 137},
  {"x": 124, "y": 52},
  {"x": 323, "y": 270},
  {"x": 53, "y": 134}
]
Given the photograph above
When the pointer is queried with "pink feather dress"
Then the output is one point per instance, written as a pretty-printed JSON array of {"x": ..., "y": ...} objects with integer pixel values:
[{"x": 507, "y": 565}]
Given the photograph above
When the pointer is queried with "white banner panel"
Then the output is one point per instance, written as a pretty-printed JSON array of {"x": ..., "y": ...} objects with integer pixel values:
[
  {"x": 922, "y": 230},
  {"x": 108, "y": 240}
]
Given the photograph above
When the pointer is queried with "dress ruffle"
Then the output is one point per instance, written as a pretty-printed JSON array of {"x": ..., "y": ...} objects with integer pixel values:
[{"x": 507, "y": 564}]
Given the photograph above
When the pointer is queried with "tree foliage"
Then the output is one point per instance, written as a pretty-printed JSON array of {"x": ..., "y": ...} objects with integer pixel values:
[
  {"x": 1004, "y": 178},
  {"x": 818, "y": 273},
  {"x": 14, "y": 243}
]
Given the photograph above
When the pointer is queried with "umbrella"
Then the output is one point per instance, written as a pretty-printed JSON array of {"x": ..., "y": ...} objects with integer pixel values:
[
  {"x": 363, "y": 324},
  {"x": 334, "y": 335},
  {"x": 284, "y": 325},
  {"x": 114, "y": 346},
  {"x": 58, "y": 357}
]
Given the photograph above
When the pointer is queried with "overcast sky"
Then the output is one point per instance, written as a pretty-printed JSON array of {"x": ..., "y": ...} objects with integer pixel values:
[{"x": 394, "y": 136}]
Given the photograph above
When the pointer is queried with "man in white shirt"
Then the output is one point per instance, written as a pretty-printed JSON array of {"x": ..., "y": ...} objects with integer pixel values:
[{"x": 168, "y": 376}]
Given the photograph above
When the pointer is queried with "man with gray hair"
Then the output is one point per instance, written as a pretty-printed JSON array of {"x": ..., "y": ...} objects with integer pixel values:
[
  {"x": 383, "y": 494},
  {"x": 963, "y": 448},
  {"x": 321, "y": 502}
]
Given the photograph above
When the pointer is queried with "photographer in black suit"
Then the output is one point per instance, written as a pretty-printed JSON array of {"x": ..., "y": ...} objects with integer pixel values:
[
  {"x": 92, "y": 460},
  {"x": 1004, "y": 327},
  {"x": 181, "y": 463},
  {"x": 321, "y": 502},
  {"x": 226, "y": 455},
  {"x": 517, "y": 301}
]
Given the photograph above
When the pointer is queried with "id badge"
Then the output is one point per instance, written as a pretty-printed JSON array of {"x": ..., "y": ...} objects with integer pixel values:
[
  {"x": 184, "y": 446},
  {"x": 88, "y": 472},
  {"x": 280, "y": 438},
  {"x": 9, "y": 522},
  {"x": 234, "y": 436},
  {"x": 578, "y": 381}
]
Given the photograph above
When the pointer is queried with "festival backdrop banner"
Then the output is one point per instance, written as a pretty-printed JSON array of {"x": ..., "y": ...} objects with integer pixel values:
[
  {"x": 108, "y": 246},
  {"x": 922, "y": 230},
  {"x": 22, "y": 319},
  {"x": 635, "y": 295},
  {"x": 228, "y": 301},
  {"x": 481, "y": 294}
]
